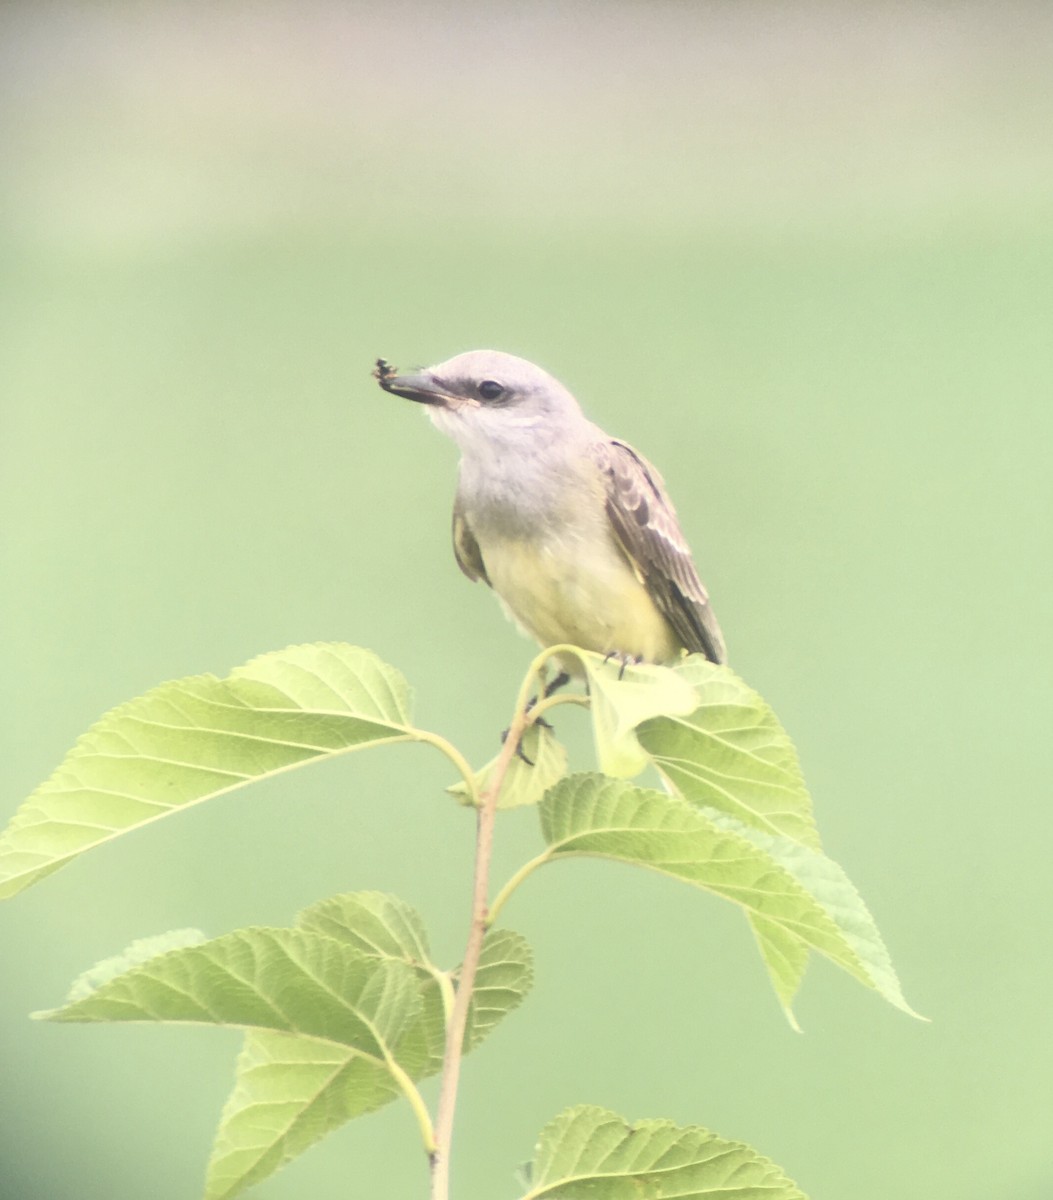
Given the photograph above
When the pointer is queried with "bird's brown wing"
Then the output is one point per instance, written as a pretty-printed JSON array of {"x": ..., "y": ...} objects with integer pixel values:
[
  {"x": 645, "y": 523},
  {"x": 466, "y": 548}
]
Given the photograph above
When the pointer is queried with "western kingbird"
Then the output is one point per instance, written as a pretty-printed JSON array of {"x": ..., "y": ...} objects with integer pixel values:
[{"x": 571, "y": 528}]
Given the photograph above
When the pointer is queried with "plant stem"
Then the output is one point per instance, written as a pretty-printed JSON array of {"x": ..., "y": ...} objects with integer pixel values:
[{"x": 455, "y": 1027}]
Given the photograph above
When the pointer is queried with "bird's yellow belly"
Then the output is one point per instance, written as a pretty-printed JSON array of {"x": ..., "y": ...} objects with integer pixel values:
[{"x": 579, "y": 590}]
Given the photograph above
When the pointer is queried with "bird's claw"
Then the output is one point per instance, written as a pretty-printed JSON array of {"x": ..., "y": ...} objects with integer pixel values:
[
  {"x": 520, "y": 752},
  {"x": 560, "y": 680},
  {"x": 624, "y": 659}
]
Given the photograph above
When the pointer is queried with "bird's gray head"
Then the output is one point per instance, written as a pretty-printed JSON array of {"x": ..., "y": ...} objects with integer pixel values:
[{"x": 487, "y": 400}]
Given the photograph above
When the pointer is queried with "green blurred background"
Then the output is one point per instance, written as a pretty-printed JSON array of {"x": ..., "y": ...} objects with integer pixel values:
[{"x": 803, "y": 257}]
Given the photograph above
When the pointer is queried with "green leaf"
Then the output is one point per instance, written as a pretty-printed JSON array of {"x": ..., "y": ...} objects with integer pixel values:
[
  {"x": 786, "y": 958},
  {"x": 198, "y": 737},
  {"x": 291, "y": 1091},
  {"x": 139, "y": 951},
  {"x": 388, "y": 927},
  {"x": 524, "y": 782},
  {"x": 623, "y": 696},
  {"x": 330, "y": 1030},
  {"x": 731, "y": 753},
  {"x": 834, "y": 892},
  {"x": 374, "y": 923},
  {"x": 502, "y": 980},
  {"x": 384, "y": 926},
  {"x": 588, "y": 1153},
  {"x": 284, "y": 980},
  {"x": 798, "y": 893}
]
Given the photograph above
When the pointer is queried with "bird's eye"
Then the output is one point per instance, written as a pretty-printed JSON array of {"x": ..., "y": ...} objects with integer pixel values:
[{"x": 490, "y": 389}]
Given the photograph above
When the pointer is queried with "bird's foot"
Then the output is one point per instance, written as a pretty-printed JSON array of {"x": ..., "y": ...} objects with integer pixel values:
[
  {"x": 625, "y": 660},
  {"x": 560, "y": 680},
  {"x": 557, "y": 682},
  {"x": 520, "y": 752}
]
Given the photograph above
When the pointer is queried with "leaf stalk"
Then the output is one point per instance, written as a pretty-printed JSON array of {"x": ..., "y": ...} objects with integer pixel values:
[
  {"x": 464, "y": 768},
  {"x": 416, "y": 1102},
  {"x": 502, "y": 896}
]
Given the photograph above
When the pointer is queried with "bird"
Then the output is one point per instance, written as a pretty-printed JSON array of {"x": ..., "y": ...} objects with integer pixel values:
[{"x": 572, "y": 529}]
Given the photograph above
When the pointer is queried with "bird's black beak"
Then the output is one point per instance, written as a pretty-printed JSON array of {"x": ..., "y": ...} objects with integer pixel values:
[{"x": 422, "y": 388}]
